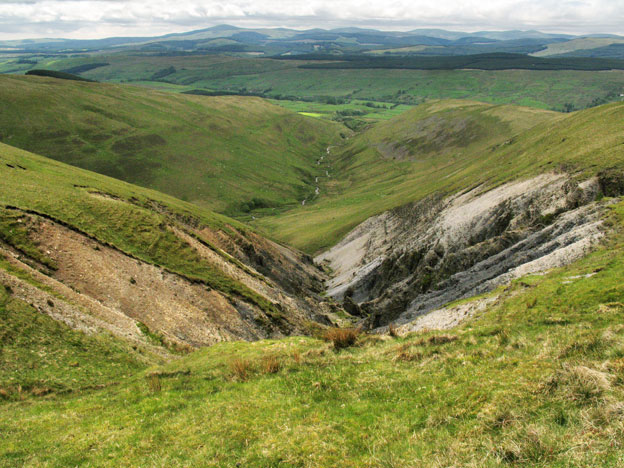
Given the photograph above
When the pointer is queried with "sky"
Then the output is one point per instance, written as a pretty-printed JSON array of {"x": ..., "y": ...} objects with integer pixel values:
[{"x": 89, "y": 19}]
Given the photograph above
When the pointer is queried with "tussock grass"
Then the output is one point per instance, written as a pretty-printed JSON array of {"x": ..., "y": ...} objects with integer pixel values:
[
  {"x": 437, "y": 339},
  {"x": 240, "y": 369},
  {"x": 342, "y": 337},
  {"x": 579, "y": 383},
  {"x": 271, "y": 364},
  {"x": 153, "y": 382}
]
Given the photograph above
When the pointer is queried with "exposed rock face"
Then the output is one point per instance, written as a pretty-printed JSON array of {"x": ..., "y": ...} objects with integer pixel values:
[{"x": 414, "y": 259}]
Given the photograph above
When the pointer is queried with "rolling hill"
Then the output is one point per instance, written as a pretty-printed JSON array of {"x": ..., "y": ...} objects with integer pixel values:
[
  {"x": 230, "y": 154},
  {"x": 534, "y": 380}
]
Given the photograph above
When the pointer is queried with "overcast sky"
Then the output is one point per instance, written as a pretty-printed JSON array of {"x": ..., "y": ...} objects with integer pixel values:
[{"x": 103, "y": 18}]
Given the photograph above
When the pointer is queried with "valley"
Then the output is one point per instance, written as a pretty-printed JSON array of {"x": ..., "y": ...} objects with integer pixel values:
[{"x": 271, "y": 254}]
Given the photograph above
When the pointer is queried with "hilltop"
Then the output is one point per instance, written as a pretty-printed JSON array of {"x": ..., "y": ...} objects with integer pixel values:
[{"x": 283, "y": 41}]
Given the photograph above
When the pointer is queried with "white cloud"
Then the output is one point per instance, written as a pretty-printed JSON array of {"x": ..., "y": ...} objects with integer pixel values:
[{"x": 99, "y": 18}]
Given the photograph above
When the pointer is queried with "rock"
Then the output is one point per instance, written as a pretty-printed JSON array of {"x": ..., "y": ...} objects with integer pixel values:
[{"x": 416, "y": 258}]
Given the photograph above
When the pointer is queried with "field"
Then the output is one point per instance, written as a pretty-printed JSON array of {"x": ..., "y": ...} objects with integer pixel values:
[
  {"x": 366, "y": 111},
  {"x": 586, "y": 43},
  {"x": 536, "y": 381}
]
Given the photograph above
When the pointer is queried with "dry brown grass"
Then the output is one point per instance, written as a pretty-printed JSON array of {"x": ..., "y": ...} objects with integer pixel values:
[
  {"x": 41, "y": 391},
  {"x": 408, "y": 356},
  {"x": 529, "y": 445},
  {"x": 579, "y": 383},
  {"x": 271, "y": 365},
  {"x": 342, "y": 337},
  {"x": 240, "y": 369},
  {"x": 437, "y": 340},
  {"x": 392, "y": 330},
  {"x": 296, "y": 355}
]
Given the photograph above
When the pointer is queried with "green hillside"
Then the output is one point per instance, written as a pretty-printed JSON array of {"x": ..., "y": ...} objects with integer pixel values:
[
  {"x": 533, "y": 379},
  {"x": 224, "y": 153},
  {"x": 42, "y": 356},
  {"x": 133, "y": 220},
  {"x": 536, "y": 381},
  {"x": 459, "y": 145},
  {"x": 578, "y": 44}
]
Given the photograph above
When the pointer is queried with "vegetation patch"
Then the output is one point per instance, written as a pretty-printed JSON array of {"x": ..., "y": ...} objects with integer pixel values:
[
  {"x": 57, "y": 74},
  {"x": 342, "y": 337}
]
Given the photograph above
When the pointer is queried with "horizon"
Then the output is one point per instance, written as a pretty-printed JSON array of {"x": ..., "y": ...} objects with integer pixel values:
[
  {"x": 304, "y": 29},
  {"x": 97, "y": 19}
]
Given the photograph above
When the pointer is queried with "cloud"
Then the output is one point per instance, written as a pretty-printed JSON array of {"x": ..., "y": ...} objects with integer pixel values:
[{"x": 99, "y": 18}]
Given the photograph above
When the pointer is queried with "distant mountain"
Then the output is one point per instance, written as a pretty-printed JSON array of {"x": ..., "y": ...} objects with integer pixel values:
[{"x": 350, "y": 40}]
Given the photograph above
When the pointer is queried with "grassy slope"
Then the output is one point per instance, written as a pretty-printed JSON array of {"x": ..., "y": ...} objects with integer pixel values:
[
  {"x": 547, "y": 90},
  {"x": 40, "y": 355},
  {"x": 131, "y": 224},
  {"x": 216, "y": 152},
  {"x": 364, "y": 184},
  {"x": 537, "y": 380}
]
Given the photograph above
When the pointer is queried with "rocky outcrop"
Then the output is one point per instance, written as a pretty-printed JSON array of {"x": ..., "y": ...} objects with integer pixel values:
[{"x": 412, "y": 260}]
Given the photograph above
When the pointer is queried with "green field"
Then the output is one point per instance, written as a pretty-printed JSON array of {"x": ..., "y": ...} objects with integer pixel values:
[
  {"x": 585, "y": 43},
  {"x": 230, "y": 153},
  {"x": 364, "y": 111},
  {"x": 271, "y": 78},
  {"x": 442, "y": 148},
  {"x": 536, "y": 381}
]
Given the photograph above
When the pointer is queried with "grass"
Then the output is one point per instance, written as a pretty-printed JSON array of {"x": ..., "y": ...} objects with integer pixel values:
[
  {"x": 442, "y": 148},
  {"x": 15, "y": 232},
  {"x": 537, "y": 386},
  {"x": 356, "y": 109},
  {"x": 41, "y": 356},
  {"x": 342, "y": 337},
  {"x": 230, "y": 154}
]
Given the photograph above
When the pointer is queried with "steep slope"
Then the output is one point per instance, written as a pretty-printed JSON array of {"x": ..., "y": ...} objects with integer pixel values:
[
  {"x": 230, "y": 154},
  {"x": 42, "y": 356},
  {"x": 100, "y": 254}
]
